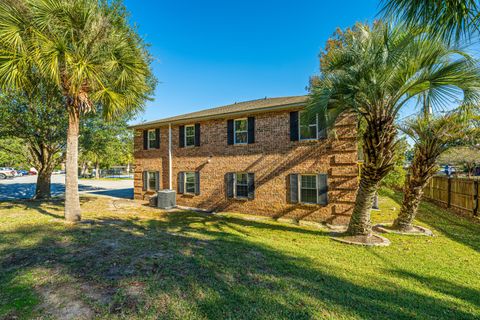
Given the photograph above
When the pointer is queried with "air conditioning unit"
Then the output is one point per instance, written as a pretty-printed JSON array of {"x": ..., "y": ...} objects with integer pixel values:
[{"x": 166, "y": 199}]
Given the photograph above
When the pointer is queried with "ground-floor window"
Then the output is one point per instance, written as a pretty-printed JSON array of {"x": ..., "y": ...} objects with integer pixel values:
[
  {"x": 241, "y": 185},
  {"x": 190, "y": 182},
  {"x": 308, "y": 188},
  {"x": 151, "y": 180}
]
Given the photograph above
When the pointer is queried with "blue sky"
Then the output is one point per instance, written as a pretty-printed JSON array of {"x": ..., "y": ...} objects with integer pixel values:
[{"x": 210, "y": 53}]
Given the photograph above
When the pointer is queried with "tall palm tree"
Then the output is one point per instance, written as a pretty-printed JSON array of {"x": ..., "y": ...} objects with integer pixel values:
[
  {"x": 449, "y": 19},
  {"x": 432, "y": 135},
  {"x": 373, "y": 74},
  {"x": 88, "y": 50}
]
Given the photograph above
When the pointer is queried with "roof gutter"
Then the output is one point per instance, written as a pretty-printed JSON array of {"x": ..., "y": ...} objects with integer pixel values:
[{"x": 216, "y": 116}]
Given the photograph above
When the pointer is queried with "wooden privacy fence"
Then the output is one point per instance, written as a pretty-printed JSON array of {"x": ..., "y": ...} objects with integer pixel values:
[{"x": 460, "y": 194}]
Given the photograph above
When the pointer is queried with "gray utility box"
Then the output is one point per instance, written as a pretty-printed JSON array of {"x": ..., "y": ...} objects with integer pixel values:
[{"x": 166, "y": 199}]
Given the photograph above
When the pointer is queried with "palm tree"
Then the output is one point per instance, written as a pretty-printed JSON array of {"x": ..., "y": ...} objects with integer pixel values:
[
  {"x": 373, "y": 74},
  {"x": 432, "y": 135},
  {"x": 449, "y": 19},
  {"x": 88, "y": 50}
]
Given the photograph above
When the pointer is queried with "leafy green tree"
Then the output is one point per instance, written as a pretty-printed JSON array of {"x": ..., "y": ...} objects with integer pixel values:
[
  {"x": 395, "y": 179},
  {"x": 449, "y": 19},
  {"x": 106, "y": 143},
  {"x": 466, "y": 157},
  {"x": 41, "y": 124},
  {"x": 374, "y": 73},
  {"x": 88, "y": 50},
  {"x": 13, "y": 152}
]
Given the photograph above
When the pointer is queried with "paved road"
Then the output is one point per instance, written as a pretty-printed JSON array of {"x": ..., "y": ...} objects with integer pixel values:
[{"x": 24, "y": 187}]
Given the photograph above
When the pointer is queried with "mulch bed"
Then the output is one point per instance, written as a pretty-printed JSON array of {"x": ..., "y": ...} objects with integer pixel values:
[
  {"x": 372, "y": 240},
  {"x": 414, "y": 231}
]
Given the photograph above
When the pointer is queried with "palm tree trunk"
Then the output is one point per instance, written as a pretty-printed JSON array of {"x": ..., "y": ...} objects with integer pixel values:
[
  {"x": 360, "y": 221},
  {"x": 72, "y": 200},
  {"x": 411, "y": 200},
  {"x": 421, "y": 171},
  {"x": 379, "y": 150}
]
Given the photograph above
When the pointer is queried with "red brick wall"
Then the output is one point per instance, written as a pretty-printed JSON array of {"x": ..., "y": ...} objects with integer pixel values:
[{"x": 272, "y": 158}]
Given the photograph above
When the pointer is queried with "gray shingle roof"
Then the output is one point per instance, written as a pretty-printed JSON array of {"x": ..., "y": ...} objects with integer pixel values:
[{"x": 231, "y": 109}]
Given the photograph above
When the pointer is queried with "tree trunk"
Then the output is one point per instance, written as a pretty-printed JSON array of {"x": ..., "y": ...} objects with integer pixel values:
[
  {"x": 84, "y": 170},
  {"x": 72, "y": 200},
  {"x": 378, "y": 153},
  {"x": 421, "y": 171},
  {"x": 42, "y": 189},
  {"x": 97, "y": 170},
  {"x": 360, "y": 221},
  {"x": 412, "y": 196}
]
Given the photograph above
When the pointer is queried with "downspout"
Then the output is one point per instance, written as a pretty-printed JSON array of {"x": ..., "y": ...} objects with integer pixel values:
[{"x": 170, "y": 156}]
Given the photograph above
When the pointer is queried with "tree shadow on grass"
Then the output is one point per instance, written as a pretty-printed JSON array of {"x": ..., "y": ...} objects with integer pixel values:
[
  {"x": 442, "y": 286},
  {"x": 191, "y": 265},
  {"x": 458, "y": 228}
]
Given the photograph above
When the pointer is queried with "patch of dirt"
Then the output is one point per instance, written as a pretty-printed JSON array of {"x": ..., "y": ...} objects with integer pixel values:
[
  {"x": 69, "y": 300},
  {"x": 63, "y": 302}
]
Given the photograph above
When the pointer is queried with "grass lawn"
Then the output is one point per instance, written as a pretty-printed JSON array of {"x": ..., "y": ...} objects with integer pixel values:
[{"x": 129, "y": 261}]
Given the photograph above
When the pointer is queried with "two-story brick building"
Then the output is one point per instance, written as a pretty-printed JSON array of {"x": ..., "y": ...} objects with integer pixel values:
[{"x": 257, "y": 157}]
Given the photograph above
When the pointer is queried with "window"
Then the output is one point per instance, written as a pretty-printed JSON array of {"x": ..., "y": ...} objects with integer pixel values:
[
  {"x": 241, "y": 185},
  {"x": 308, "y": 128},
  {"x": 152, "y": 139},
  {"x": 189, "y": 136},
  {"x": 189, "y": 182},
  {"x": 308, "y": 188},
  {"x": 241, "y": 131},
  {"x": 152, "y": 180}
]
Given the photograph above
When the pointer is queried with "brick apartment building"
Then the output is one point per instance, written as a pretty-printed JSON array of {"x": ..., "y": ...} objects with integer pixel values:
[{"x": 256, "y": 157}]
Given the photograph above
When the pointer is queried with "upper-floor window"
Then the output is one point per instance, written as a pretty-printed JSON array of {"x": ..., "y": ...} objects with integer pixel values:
[
  {"x": 189, "y": 135},
  {"x": 304, "y": 127},
  {"x": 241, "y": 131},
  {"x": 152, "y": 139},
  {"x": 308, "y": 128}
]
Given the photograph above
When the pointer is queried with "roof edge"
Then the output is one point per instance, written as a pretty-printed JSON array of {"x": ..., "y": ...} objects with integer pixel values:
[{"x": 161, "y": 122}]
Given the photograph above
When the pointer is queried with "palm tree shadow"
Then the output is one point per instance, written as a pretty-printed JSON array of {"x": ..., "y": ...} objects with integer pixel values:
[{"x": 194, "y": 261}]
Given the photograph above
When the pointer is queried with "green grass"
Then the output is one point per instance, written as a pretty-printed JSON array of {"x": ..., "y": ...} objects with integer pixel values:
[{"x": 130, "y": 261}]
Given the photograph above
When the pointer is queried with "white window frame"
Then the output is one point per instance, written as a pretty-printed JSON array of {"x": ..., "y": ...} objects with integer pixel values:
[
  {"x": 150, "y": 140},
  {"x": 235, "y": 185},
  {"x": 154, "y": 174},
  {"x": 185, "y": 135},
  {"x": 300, "y": 188},
  {"x": 235, "y": 131},
  {"x": 300, "y": 127},
  {"x": 186, "y": 173}
]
